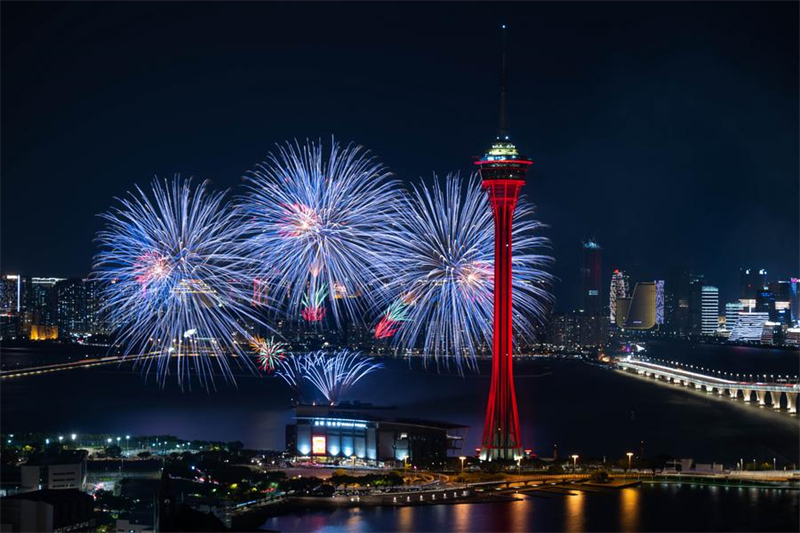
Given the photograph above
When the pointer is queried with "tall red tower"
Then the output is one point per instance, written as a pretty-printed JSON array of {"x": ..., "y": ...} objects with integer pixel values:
[{"x": 503, "y": 174}]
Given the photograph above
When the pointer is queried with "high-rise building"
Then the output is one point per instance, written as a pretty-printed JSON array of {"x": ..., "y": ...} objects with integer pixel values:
[
  {"x": 618, "y": 289},
  {"x": 41, "y": 302},
  {"x": 591, "y": 275},
  {"x": 751, "y": 281},
  {"x": 639, "y": 312},
  {"x": 710, "y": 310},
  {"x": 660, "y": 302},
  {"x": 782, "y": 297},
  {"x": 732, "y": 310},
  {"x": 795, "y": 298},
  {"x": 79, "y": 307},
  {"x": 695, "y": 311},
  {"x": 676, "y": 301},
  {"x": 11, "y": 292}
]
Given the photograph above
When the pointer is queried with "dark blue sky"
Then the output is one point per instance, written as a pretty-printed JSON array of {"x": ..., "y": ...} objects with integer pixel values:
[{"x": 669, "y": 131}]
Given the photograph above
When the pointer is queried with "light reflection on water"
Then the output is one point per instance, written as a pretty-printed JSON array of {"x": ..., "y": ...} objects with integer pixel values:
[
  {"x": 646, "y": 508},
  {"x": 574, "y": 512}
]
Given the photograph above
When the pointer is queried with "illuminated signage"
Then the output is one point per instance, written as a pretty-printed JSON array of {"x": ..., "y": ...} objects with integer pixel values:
[{"x": 318, "y": 445}]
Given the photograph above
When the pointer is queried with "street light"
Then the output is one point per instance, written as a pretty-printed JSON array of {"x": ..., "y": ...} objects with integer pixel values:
[
  {"x": 462, "y": 459},
  {"x": 574, "y": 463},
  {"x": 630, "y": 456},
  {"x": 773, "y": 464},
  {"x": 73, "y": 437}
]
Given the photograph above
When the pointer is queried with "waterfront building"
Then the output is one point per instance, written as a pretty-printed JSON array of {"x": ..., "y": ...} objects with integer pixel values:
[
  {"x": 371, "y": 434},
  {"x": 710, "y": 310},
  {"x": 41, "y": 306},
  {"x": 618, "y": 289},
  {"x": 749, "y": 327}
]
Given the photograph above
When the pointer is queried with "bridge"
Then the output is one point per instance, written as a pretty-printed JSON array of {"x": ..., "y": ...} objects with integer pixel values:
[
  {"x": 72, "y": 365},
  {"x": 735, "y": 389}
]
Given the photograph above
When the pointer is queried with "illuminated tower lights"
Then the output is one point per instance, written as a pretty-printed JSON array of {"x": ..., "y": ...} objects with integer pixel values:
[
  {"x": 503, "y": 172},
  {"x": 619, "y": 289}
]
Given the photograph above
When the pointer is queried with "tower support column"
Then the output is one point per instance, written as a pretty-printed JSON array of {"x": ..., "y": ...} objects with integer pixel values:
[{"x": 501, "y": 432}]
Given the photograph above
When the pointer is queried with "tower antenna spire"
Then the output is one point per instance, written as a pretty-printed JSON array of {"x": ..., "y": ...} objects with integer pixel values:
[{"x": 502, "y": 128}]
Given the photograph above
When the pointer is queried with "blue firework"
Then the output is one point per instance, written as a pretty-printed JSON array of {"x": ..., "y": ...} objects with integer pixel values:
[
  {"x": 331, "y": 374},
  {"x": 172, "y": 281},
  {"x": 315, "y": 222},
  {"x": 442, "y": 242}
]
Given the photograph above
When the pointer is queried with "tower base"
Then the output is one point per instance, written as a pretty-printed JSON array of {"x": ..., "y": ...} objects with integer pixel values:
[{"x": 493, "y": 454}]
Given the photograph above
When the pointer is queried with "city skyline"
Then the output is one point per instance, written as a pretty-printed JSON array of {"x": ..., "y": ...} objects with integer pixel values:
[{"x": 618, "y": 194}]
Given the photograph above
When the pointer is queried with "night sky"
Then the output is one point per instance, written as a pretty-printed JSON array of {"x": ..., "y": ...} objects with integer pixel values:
[{"x": 667, "y": 131}]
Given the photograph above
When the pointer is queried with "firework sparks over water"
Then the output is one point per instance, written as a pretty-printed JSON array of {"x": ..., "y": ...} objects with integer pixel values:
[
  {"x": 331, "y": 374},
  {"x": 443, "y": 244},
  {"x": 315, "y": 221},
  {"x": 270, "y": 353},
  {"x": 171, "y": 280}
]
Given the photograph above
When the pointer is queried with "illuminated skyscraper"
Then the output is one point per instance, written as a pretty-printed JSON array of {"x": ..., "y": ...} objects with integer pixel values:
[
  {"x": 503, "y": 172},
  {"x": 710, "y": 310},
  {"x": 591, "y": 275},
  {"x": 619, "y": 289}
]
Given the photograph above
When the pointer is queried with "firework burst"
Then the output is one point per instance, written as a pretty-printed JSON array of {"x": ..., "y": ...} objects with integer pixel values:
[
  {"x": 171, "y": 283},
  {"x": 315, "y": 221},
  {"x": 332, "y": 375},
  {"x": 443, "y": 244},
  {"x": 270, "y": 353},
  {"x": 391, "y": 321}
]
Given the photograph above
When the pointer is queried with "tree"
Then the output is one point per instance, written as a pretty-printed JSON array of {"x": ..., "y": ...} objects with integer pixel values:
[{"x": 113, "y": 451}]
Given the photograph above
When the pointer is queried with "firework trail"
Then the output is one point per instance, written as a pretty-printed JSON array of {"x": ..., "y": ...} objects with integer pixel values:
[
  {"x": 171, "y": 282},
  {"x": 270, "y": 353},
  {"x": 443, "y": 245},
  {"x": 315, "y": 220},
  {"x": 391, "y": 321},
  {"x": 314, "y": 304},
  {"x": 331, "y": 374}
]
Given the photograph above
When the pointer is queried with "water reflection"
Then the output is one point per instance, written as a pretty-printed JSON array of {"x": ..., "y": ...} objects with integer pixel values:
[
  {"x": 461, "y": 517},
  {"x": 574, "y": 513},
  {"x": 629, "y": 511},
  {"x": 405, "y": 519}
]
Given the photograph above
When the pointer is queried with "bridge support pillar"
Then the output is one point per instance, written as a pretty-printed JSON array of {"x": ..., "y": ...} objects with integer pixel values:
[
  {"x": 791, "y": 402},
  {"x": 747, "y": 394},
  {"x": 762, "y": 397},
  {"x": 734, "y": 393},
  {"x": 775, "y": 398},
  {"x": 721, "y": 391}
]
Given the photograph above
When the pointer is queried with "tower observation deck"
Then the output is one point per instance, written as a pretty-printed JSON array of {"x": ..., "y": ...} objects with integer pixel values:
[{"x": 502, "y": 172}]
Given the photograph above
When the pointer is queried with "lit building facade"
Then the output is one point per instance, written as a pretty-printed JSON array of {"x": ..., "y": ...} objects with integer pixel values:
[
  {"x": 732, "y": 310},
  {"x": 618, "y": 289},
  {"x": 591, "y": 275},
  {"x": 371, "y": 434},
  {"x": 710, "y": 310},
  {"x": 639, "y": 312},
  {"x": 749, "y": 327}
]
